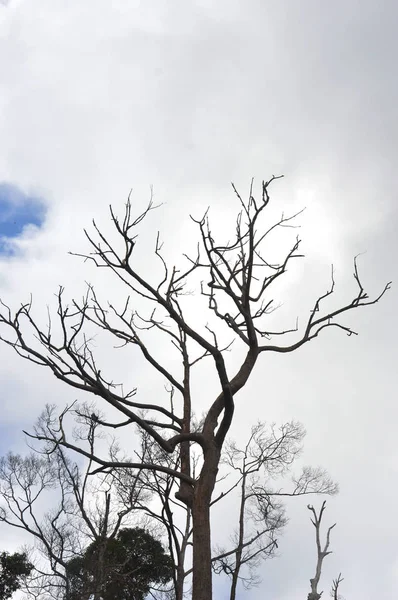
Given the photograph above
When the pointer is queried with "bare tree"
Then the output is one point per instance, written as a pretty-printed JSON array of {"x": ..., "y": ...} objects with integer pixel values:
[
  {"x": 237, "y": 279},
  {"x": 165, "y": 515},
  {"x": 79, "y": 511},
  {"x": 252, "y": 472},
  {"x": 263, "y": 463},
  {"x": 315, "y": 594},
  {"x": 335, "y": 587},
  {"x": 23, "y": 484},
  {"x": 84, "y": 513}
]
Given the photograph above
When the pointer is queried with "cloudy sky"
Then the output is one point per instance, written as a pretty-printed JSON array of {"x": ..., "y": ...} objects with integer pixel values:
[{"x": 100, "y": 97}]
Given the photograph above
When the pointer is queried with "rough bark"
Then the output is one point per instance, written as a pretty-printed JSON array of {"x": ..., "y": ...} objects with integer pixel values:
[{"x": 201, "y": 557}]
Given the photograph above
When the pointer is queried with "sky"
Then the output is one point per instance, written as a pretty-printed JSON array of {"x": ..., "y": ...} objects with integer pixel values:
[
  {"x": 19, "y": 213},
  {"x": 98, "y": 98}
]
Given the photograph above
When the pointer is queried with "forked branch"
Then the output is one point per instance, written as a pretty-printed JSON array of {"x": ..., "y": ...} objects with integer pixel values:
[{"x": 321, "y": 552}]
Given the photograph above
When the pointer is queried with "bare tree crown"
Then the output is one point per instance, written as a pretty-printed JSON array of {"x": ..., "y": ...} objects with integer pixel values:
[{"x": 236, "y": 279}]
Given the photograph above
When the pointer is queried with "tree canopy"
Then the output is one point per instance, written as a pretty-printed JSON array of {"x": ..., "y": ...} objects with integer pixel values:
[
  {"x": 13, "y": 568},
  {"x": 233, "y": 276},
  {"x": 122, "y": 568}
]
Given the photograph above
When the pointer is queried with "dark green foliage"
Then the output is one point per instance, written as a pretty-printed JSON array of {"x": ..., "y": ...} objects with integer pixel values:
[
  {"x": 122, "y": 568},
  {"x": 13, "y": 568}
]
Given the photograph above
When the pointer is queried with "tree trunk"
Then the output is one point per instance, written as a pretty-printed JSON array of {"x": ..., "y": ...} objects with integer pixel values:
[
  {"x": 179, "y": 590},
  {"x": 202, "y": 588},
  {"x": 202, "y": 576},
  {"x": 234, "y": 585},
  {"x": 100, "y": 570}
]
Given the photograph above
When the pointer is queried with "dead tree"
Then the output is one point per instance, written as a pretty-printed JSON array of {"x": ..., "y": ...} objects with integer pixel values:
[
  {"x": 24, "y": 482},
  {"x": 321, "y": 553},
  {"x": 237, "y": 280},
  {"x": 164, "y": 515},
  {"x": 80, "y": 513},
  {"x": 252, "y": 473},
  {"x": 261, "y": 468},
  {"x": 335, "y": 587}
]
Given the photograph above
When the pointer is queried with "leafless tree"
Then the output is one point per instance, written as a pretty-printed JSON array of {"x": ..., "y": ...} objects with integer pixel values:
[
  {"x": 23, "y": 484},
  {"x": 315, "y": 594},
  {"x": 266, "y": 459},
  {"x": 335, "y": 587},
  {"x": 263, "y": 463},
  {"x": 165, "y": 515},
  {"x": 237, "y": 281},
  {"x": 79, "y": 511}
]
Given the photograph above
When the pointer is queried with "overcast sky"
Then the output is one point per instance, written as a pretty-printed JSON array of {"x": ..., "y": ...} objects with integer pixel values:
[{"x": 100, "y": 97}]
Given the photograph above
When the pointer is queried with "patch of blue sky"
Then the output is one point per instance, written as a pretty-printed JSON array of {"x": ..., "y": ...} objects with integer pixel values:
[{"x": 18, "y": 210}]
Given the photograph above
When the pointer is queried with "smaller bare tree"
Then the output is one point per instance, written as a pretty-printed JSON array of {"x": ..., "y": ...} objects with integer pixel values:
[
  {"x": 261, "y": 468},
  {"x": 335, "y": 588},
  {"x": 315, "y": 594},
  {"x": 85, "y": 507}
]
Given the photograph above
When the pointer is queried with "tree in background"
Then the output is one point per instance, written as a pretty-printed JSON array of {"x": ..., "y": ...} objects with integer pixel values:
[
  {"x": 258, "y": 476},
  {"x": 64, "y": 508},
  {"x": 261, "y": 469},
  {"x": 87, "y": 510},
  {"x": 14, "y": 568},
  {"x": 321, "y": 554},
  {"x": 133, "y": 562},
  {"x": 234, "y": 278}
]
